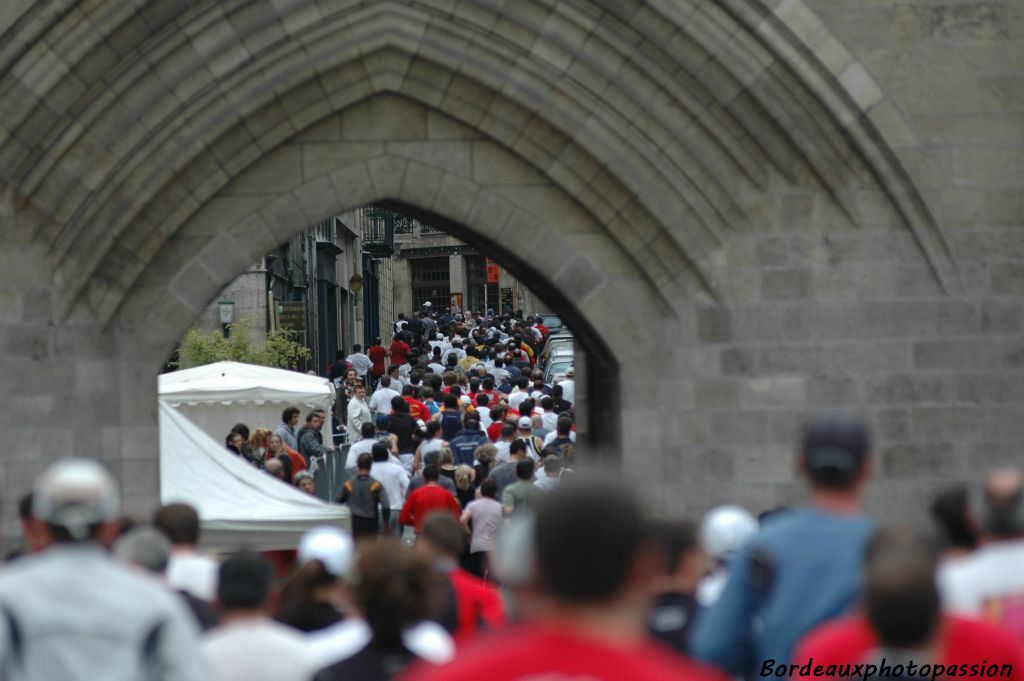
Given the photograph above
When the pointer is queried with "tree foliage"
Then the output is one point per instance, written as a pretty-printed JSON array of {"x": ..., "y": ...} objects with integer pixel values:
[{"x": 279, "y": 349}]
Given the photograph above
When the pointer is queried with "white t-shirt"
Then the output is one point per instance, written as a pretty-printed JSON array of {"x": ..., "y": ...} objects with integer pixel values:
[
  {"x": 568, "y": 390},
  {"x": 487, "y": 518},
  {"x": 258, "y": 650},
  {"x": 550, "y": 419},
  {"x": 393, "y": 479},
  {"x": 989, "y": 580},
  {"x": 360, "y": 447},
  {"x": 503, "y": 455},
  {"x": 437, "y": 368},
  {"x": 340, "y": 641},
  {"x": 380, "y": 401},
  {"x": 193, "y": 572},
  {"x": 516, "y": 398},
  {"x": 484, "y": 413},
  {"x": 360, "y": 362}
]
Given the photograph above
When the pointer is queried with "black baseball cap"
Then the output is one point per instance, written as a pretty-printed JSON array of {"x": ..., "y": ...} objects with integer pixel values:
[{"x": 835, "y": 449}]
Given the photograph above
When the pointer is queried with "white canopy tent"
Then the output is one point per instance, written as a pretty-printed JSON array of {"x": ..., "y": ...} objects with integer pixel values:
[
  {"x": 239, "y": 506},
  {"x": 217, "y": 396}
]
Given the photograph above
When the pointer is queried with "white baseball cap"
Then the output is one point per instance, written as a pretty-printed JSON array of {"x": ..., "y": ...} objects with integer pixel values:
[
  {"x": 331, "y": 546},
  {"x": 526, "y": 423},
  {"x": 725, "y": 530}
]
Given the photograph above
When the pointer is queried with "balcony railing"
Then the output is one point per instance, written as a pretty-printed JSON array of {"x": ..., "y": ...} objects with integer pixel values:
[{"x": 377, "y": 227}]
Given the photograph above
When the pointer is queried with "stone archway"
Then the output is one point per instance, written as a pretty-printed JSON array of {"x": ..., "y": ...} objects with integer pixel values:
[{"x": 717, "y": 172}]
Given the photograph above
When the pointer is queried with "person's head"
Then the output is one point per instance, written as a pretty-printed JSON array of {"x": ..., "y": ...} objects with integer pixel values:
[
  {"x": 432, "y": 458},
  {"x": 557, "y": 391},
  {"x": 517, "y": 449},
  {"x": 234, "y": 441},
  {"x": 377, "y": 340},
  {"x": 445, "y": 456},
  {"x": 305, "y": 482},
  {"x": 357, "y": 348},
  {"x": 385, "y": 381},
  {"x": 359, "y": 391},
  {"x": 144, "y": 547},
  {"x": 364, "y": 462},
  {"x": 427, "y": 393},
  {"x": 431, "y": 473},
  {"x": 393, "y": 371},
  {"x": 680, "y": 549},
  {"x": 274, "y": 468},
  {"x": 482, "y": 400},
  {"x": 725, "y": 530},
  {"x": 244, "y": 582},
  {"x": 32, "y": 529},
  {"x": 901, "y": 599},
  {"x": 381, "y": 422},
  {"x": 552, "y": 466},
  {"x": 489, "y": 488},
  {"x": 564, "y": 427},
  {"x": 455, "y": 391},
  {"x": 526, "y": 406},
  {"x": 834, "y": 453},
  {"x": 380, "y": 453},
  {"x": 314, "y": 420},
  {"x": 432, "y": 429},
  {"x": 290, "y": 416},
  {"x": 525, "y": 424},
  {"x": 340, "y": 354},
  {"x": 524, "y": 469},
  {"x": 451, "y": 401},
  {"x": 538, "y": 421},
  {"x": 275, "y": 445},
  {"x": 242, "y": 430},
  {"x": 464, "y": 477},
  {"x": 508, "y": 432},
  {"x": 487, "y": 384},
  {"x": 399, "y": 405},
  {"x": 485, "y": 454},
  {"x": 408, "y": 390},
  {"x": 450, "y": 378},
  {"x": 443, "y": 536},
  {"x": 949, "y": 510},
  {"x": 179, "y": 523},
  {"x": 367, "y": 430},
  {"x": 394, "y": 590},
  {"x": 587, "y": 523},
  {"x": 522, "y": 382},
  {"x": 1001, "y": 509},
  {"x": 260, "y": 438},
  {"x": 472, "y": 423}
]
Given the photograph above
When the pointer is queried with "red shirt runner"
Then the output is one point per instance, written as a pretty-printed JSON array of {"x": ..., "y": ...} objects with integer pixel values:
[
  {"x": 399, "y": 351},
  {"x": 426, "y": 500},
  {"x": 377, "y": 355}
]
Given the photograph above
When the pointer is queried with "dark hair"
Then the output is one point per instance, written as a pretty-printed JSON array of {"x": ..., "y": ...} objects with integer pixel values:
[
  {"x": 547, "y": 403},
  {"x": 488, "y": 383},
  {"x": 522, "y": 382},
  {"x": 445, "y": 533},
  {"x": 395, "y": 590},
  {"x": 563, "y": 426},
  {"x": 597, "y": 522},
  {"x": 364, "y": 461},
  {"x": 289, "y": 413},
  {"x": 432, "y": 428},
  {"x": 949, "y": 511},
  {"x": 430, "y": 472},
  {"x": 179, "y": 522},
  {"x": 675, "y": 538},
  {"x": 385, "y": 381},
  {"x": 557, "y": 391},
  {"x": 835, "y": 450},
  {"x": 432, "y": 458},
  {"x": 482, "y": 400},
  {"x": 407, "y": 389},
  {"x": 243, "y": 581},
  {"x": 900, "y": 594},
  {"x": 508, "y": 429},
  {"x": 524, "y": 469},
  {"x": 489, "y": 488},
  {"x": 356, "y": 347},
  {"x": 380, "y": 453},
  {"x": 451, "y": 401},
  {"x": 311, "y": 415},
  {"x": 426, "y": 393},
  {"x": 399, "y": 405},
  {"x": 516, "y": 446},
  {"x": 242, "y": 430},
  {"x": 367, "y": 429},
  {"x": 25, "y": 507}
]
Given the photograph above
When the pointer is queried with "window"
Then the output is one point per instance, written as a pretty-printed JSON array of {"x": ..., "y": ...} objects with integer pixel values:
[
  {"x": 430, "y": 282},
  {"x": 476, "y": 280}
]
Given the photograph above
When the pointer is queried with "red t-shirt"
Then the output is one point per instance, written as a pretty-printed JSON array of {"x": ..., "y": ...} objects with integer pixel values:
[
  {"x": 399, "y": 351},
  {"x": 494, "y": 430},
  {"x": 377, "y": 355},
  {"x": 426, "y": 500},
  {"x": 478, "y": 603},
  {"x": 541, "y": 650},
  {"x": 962, "y": 642},
  {"x": 417, "y": 409}
]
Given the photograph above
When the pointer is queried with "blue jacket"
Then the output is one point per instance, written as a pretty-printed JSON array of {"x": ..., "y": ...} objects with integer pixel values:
[
  {"x": 465, "y": 443},
  {"x": 803, "y": 568}
]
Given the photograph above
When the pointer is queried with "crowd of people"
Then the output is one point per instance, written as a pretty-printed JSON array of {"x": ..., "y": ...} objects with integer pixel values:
[{"x": 518, "y": 563}]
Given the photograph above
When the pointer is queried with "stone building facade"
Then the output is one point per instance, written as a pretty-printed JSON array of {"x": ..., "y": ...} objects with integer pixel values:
[{"x": 750, "y": 210}]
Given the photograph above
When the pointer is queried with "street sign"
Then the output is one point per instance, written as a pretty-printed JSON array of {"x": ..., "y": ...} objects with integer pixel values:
[
  {"x": 456, "y": 303},
  {"x": 507, "y": 299}
]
